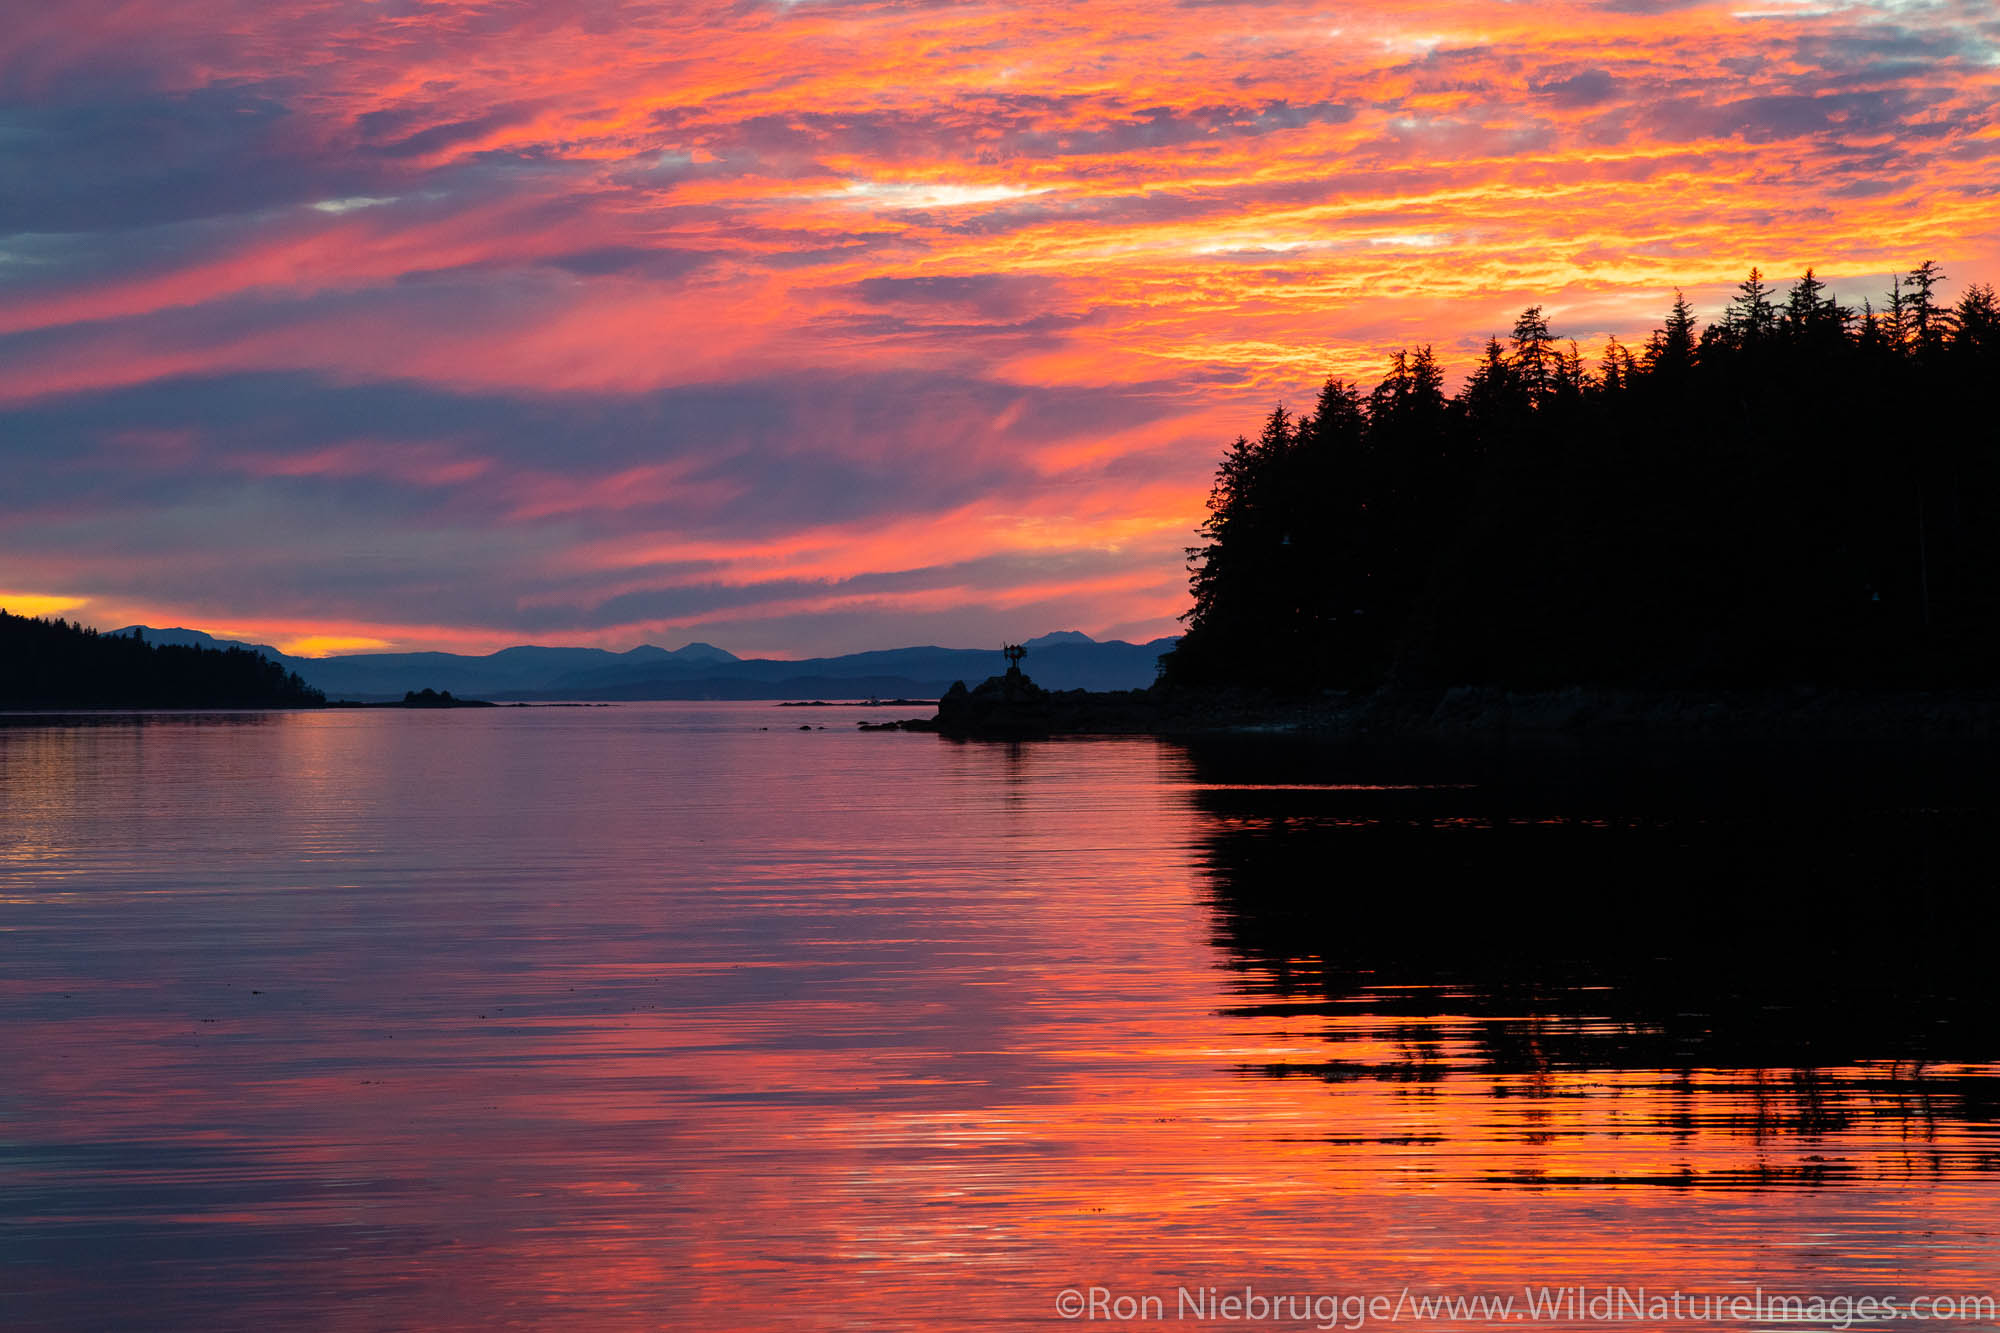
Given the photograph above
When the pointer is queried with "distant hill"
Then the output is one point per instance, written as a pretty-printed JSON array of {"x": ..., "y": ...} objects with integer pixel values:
[
  {"x": 1064, "y": 663},
  {"x": 55, "y": 664},
  {"x": 511, "y": 673},
  {"x": 193, "y": 638},
  {"x": 1065, "y": 660}
]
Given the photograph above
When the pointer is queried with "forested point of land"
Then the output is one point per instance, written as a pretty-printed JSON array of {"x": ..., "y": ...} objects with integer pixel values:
[
  {"x": 1799, "y": 493},
  {"x": 55, "y": 664}
]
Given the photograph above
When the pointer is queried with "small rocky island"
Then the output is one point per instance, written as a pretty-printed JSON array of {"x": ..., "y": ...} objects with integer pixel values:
[
  {"x": 1013, "y": 706},
  {"x": 429, "y": 698},
  {"x": 424, "y": 698}
]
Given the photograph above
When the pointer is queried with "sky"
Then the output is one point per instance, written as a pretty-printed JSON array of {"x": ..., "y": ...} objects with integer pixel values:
[{"x": 814, "y": 326}]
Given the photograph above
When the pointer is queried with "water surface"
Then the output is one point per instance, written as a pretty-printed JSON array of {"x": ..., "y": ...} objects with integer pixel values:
[{"x": 650, "y": 1017}]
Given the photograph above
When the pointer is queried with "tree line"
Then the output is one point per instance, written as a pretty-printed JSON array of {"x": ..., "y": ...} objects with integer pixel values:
[
  {"x": 51, "y": 663},
  {"x": 1800, "y": 492}
]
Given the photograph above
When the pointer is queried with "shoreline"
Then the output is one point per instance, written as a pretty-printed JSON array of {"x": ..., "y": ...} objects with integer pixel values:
[
  {"x": 1464, "y": 713},
  {"x": 331, "y": 705}
]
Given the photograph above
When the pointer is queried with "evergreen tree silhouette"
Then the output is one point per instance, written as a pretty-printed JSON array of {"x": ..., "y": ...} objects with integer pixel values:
[
  {"x": 1535, "y": 361},
  {"x": 1928, "y": 324},
  {"x": 1751, "y": 317},
  {"x": 1670, "y": 351}
]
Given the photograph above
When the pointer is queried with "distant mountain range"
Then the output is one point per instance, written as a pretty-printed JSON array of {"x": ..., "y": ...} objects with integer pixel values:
[{"x": 1061, "y": 661}]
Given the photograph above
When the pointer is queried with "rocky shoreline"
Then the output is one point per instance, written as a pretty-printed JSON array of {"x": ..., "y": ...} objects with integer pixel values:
[{"x": 1014, "y": 706}]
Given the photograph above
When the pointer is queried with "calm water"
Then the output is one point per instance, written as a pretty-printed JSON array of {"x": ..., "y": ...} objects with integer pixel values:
[{"x": 646, "y": 1017}]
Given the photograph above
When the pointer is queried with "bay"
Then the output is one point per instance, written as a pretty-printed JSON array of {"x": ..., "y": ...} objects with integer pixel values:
[{"x": 679, "y": 1016}]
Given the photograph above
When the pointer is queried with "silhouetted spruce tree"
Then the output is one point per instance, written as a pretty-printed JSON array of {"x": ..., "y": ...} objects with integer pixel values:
[
  {"x": 1242, "y": 593},
  {"x": 1751, "y": 318},
  {"x": 1896, "y": 318},
  {"x": 1340, "y": 502},
  {"x": 1494, "y": 399},
  {"x": 1928, "y": 323},
  {"x": 1617, "y": 369},
  {"x": 1976, "y": 322},
  {"x": 1811, "y": 317},
  {"x": 1535, "y": 361},
  {"x": 1670, "y": 350},
  {"x": 1869, "y": 339}
]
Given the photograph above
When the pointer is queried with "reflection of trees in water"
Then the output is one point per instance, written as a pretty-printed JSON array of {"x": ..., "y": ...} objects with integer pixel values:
[{"x": 1786, "y": 956}]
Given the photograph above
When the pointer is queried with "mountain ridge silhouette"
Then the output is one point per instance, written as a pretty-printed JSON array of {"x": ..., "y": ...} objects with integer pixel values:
[{"x": 1068, "y": 659}]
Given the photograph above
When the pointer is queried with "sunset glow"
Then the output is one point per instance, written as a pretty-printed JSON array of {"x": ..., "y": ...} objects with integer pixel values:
[
  {"x": 821, "y": 326},
  {"x": 37, "y": 604}
]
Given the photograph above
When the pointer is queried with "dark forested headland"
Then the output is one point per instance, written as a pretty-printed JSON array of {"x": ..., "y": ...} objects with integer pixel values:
[
  {"x": 54, "y": 664},
  {"x": 1787, "y": 521},
  {"x": 1799, "y": 493}
]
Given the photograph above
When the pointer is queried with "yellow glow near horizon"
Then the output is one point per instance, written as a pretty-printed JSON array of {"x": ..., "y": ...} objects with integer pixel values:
[
  {"x": 38, "y": 604},
  {"x": 323, "y": 645}
]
